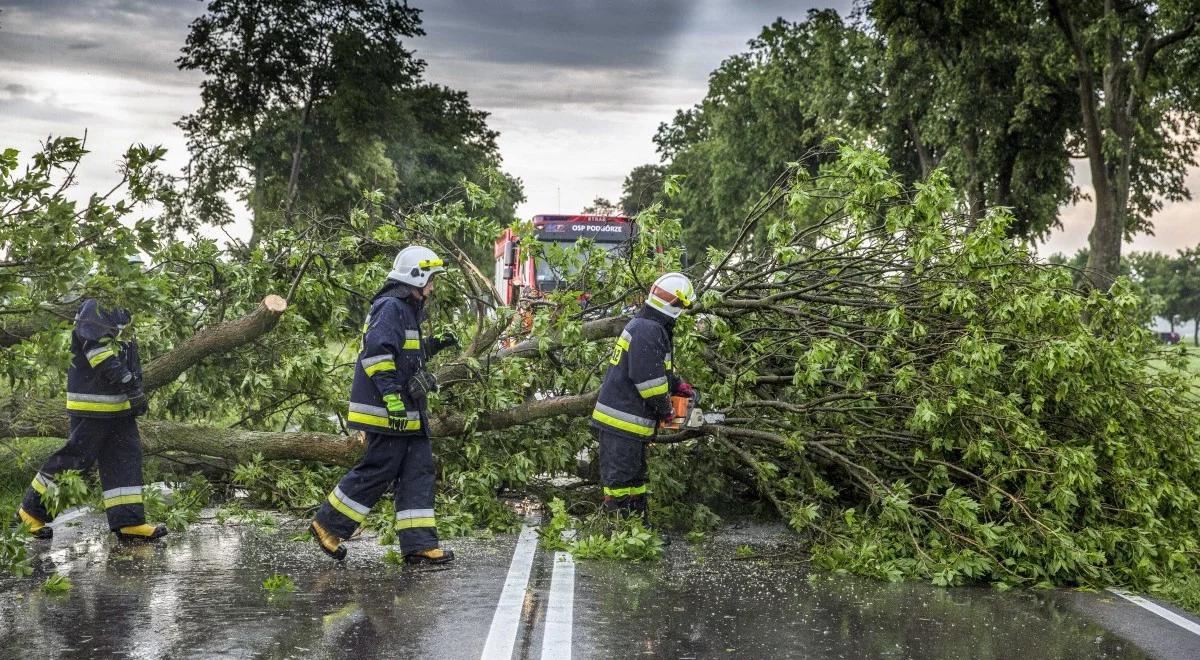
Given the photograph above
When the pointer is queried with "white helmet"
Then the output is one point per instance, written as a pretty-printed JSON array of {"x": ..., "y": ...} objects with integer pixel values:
[
  {"x": 671, "y": 293},
  {"x": 415, "y": 265}
]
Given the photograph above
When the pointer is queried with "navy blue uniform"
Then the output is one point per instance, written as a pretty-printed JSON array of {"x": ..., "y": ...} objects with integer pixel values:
[
  {"x": 105, "y": 370},
  {"x": 393, "y": 351},
  {"x": 635, "y": 395}
]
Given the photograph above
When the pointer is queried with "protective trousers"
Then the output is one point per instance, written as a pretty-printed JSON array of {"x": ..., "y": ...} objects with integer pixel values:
[
  {"x": 114, "y": 443},
  {"x": 623, "y": 473},
  {"x": 402, "y": 463}
]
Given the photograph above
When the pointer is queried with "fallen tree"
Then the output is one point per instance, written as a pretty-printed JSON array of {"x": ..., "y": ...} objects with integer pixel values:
[{"x": 913, "y": 391}]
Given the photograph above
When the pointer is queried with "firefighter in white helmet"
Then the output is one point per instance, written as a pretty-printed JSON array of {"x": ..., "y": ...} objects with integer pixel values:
[
  {"x": 388, "y": 403},
  {"x": 636, "y": 393}
]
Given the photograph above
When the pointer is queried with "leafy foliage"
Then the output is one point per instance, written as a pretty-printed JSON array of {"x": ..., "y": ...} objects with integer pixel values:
[
  {"x": 278, "y": 586},
  {"x": 56, "y": 584}
]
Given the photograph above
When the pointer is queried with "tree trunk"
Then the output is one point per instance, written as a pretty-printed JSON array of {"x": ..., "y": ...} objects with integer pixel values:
[
  {"x": 1104, "y": 241},
  {"x": 214, "y": 341},
  {"x": 47, "y": 418},
  {"x": 297, "y": 150}
]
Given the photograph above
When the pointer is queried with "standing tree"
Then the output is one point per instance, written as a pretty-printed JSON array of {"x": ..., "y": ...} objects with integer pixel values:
[
  {"x": 601, "y": 206},
  {"x": 970, "y": 86},
  {"x": 642, "y": 187},
  {"x": 1133, "y": 66},
  {"x": 308, "y": 103}
]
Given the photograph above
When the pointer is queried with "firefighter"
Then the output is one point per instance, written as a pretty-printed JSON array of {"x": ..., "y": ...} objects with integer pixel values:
[
  {"x": 388, "y": 403},
  {"x": 104, "y": 400},
  {"x": 636, "y": 394}
]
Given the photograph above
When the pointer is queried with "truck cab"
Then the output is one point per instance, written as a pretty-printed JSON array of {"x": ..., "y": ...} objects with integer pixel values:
[{"x": 520, "y": 273}]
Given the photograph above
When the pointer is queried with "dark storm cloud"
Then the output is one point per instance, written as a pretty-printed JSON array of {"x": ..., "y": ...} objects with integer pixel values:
[
  {"x": 137, "y": 39},
  {"x": 624, "y": 34}
]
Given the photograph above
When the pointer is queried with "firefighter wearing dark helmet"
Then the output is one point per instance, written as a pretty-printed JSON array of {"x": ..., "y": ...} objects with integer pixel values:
[
  {"x": 104, "y": 400},
  {"x": 388, "y": 403},
  {"x": 636, "y": 394}
]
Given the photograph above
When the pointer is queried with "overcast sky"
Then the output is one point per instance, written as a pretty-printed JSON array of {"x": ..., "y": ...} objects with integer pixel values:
[{"x": 576, "y": 88}]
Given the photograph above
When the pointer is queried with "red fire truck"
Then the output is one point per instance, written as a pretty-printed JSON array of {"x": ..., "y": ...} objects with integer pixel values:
[{"x": 520, "y": 274}]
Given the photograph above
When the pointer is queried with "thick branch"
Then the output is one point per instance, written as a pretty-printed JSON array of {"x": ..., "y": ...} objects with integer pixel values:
[{"x": 216, "y": 340}]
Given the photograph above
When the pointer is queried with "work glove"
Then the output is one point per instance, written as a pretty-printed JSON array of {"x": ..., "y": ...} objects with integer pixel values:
[
  {"x": 139, "y": 403},
  {"x": 442, "y": 341},
  {"x": 397, "y": 414},
  {"x": 685, "y": 389},
  {"x": 421, "y": 384}
]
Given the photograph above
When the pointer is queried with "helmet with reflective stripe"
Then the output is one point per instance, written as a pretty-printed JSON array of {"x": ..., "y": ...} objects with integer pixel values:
[
  {"x": 415, "y": 265},
  {"x": 671, "y": 294}
]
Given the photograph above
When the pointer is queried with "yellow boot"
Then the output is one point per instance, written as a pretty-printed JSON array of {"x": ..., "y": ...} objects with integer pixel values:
[
  {"x": 142, "y": 532},
  {"x": 329, "y": 542},
  {"x": 37, "y": 527},
  {"x": 430, "y": 556}
]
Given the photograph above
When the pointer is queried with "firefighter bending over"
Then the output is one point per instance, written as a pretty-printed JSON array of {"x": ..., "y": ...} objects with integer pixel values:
[{"x": 636, "y": 394}]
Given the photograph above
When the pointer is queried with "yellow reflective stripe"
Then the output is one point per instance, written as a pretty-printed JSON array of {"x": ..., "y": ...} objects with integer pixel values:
[
  {"x": 623, "y": 343},
  {"x": 100, "y": 357},
  {"x": 386, "y": 365},
  {"x": 653, "y": 391},
  {"x": 38, "y": 486},
  {"x": 92, "y": 406},
  {"x": 605, "y": 418},
  {"x": 123, "y": 499},
  {"x": 363, "y": 418},
  {"x": 623, "y": 492},
  {"x": 411, "y": 345},
  {"x": 345, "y": 510},
  {"x": 374, "y": 420},
  {"x": 430, "y": 263},
  {"x": 409, "y": 523}
]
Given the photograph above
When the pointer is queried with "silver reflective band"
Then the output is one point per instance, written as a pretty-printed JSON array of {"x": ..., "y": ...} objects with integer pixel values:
[
  {"x": 118, "y": 492},
  {"x": 624, "y": 416},
  {"x": 376, "y": 359},
  {"x": 368, "y": 410},
  {"x": 414, "y": 414},
  {"x": 414, "y": 513},
  {"x": 344, "y": 499},
  {"x": 412, "y": 334},
  {"x": 97, "y": 351},
  {"x": 97, "y": 398},
  {"x": 652, "y": 383},
  {"x": 44, "y": 479}
]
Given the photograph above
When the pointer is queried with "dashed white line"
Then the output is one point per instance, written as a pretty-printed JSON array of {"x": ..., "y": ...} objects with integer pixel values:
[
  {"x": 503, "y": 634},
  {"x": 560, "y": 611},
  {"x": 1174, "y": 618}
]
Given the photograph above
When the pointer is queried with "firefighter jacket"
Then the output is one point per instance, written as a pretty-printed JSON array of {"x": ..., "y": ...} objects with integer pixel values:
[
  {"x": 636, "y": 392},
  {"x": 393, "y": 351},
  {"x": 104, "y": 369}
]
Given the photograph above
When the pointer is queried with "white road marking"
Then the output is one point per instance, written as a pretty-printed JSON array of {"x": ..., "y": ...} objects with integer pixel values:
[
  {"x": 503, "y": 634},
  {"x": 560, "y": 612},
  {"x": 1174, "y": 618}
]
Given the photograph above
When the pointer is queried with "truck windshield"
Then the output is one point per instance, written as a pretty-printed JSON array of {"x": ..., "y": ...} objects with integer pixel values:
[{"x": 550, "y": 278}]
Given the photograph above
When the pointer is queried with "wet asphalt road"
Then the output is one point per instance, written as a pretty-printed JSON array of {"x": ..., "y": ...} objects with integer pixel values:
[{"x": 200, "y": 595}]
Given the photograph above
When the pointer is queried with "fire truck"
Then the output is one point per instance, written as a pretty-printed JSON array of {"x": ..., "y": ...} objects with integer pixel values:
[{"x": 520, "y": 274}]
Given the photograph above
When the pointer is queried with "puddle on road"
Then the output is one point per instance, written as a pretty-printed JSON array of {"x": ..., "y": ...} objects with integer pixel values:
[
  {"x": 200, "y": 595},
  {"x": 701, "y": 603}
]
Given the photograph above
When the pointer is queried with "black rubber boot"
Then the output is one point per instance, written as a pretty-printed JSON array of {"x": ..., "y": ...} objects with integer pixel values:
[
  {"x": 430, "y": 556},
  {"x": 37, "y": 528},
  {"x": 329, "y": 544},
  {"x": 142, "y": 533}
]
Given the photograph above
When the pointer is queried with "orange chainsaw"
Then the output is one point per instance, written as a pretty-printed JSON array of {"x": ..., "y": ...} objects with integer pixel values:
[{"x": 688, "y": 414}]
